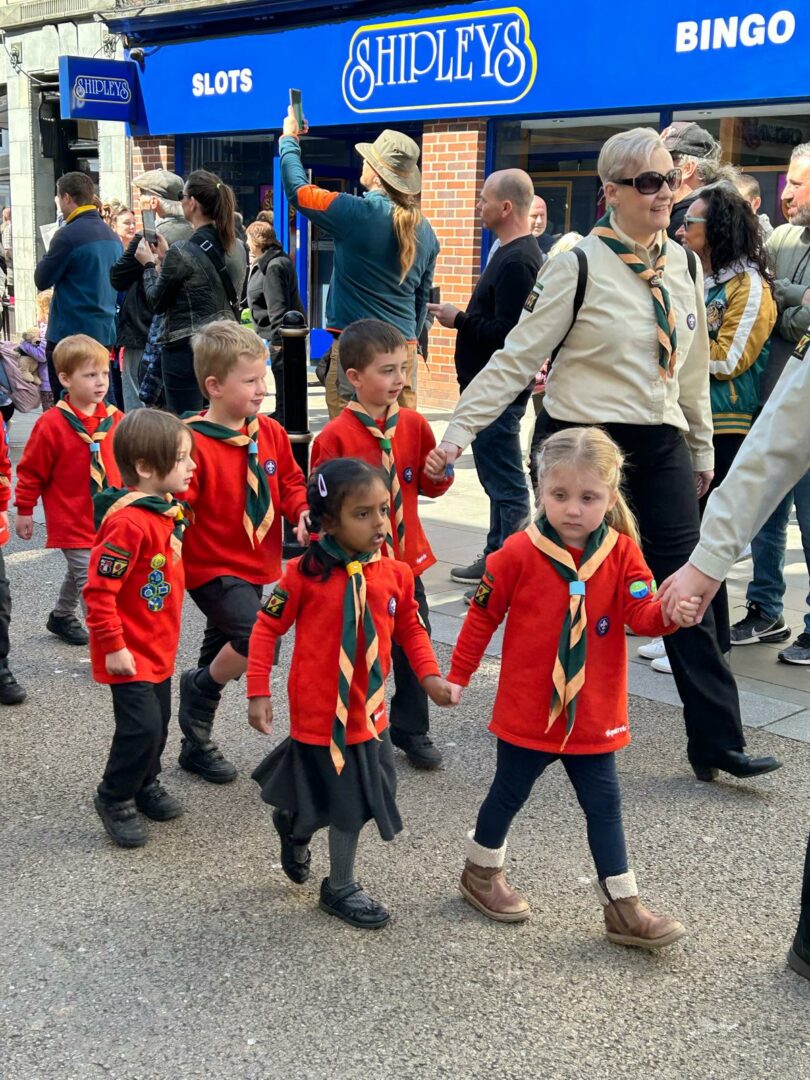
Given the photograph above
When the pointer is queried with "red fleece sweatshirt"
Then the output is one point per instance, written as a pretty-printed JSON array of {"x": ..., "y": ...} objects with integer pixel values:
[
  {"x": 217, "y": 544},
  {"x": 346, "y": 436},
  {"x": 316, "y": 608},
  {"x": 5, "y": 481},
  {"x": 55, "y": 466},
  {"x": 134, "y": 595},
  {"x": 520, "y": 579}
]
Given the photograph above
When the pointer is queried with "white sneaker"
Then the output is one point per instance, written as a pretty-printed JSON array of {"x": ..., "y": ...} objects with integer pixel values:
[
  {"x": 653, "y": 650},
  {"x": 663, "y": 665}
]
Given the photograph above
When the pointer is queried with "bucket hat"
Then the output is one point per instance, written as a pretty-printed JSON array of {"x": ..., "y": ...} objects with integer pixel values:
[{"x": 394, "y": 156}]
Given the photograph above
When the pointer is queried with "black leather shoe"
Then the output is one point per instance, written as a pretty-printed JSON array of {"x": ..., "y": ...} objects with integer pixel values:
[
  {"x": 11, "y": 693},
  {"x": 121, "y": 821},
  {"x": 352, "y": 905},
  {"x": 67, "y": 628},
  {"x": 799, "y": 955},
  {"x": 156, "y": 802},
  {"x": 418, "y": 749},
  {"x": 207, "y": 761},
  {"x": 737, "y": 763},
  {"x": 294, "y": 869}
]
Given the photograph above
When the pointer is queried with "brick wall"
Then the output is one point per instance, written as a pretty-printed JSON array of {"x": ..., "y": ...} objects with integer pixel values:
[
  {"x": 152, "y": 152},
  {"x": 453, "y": 171}
]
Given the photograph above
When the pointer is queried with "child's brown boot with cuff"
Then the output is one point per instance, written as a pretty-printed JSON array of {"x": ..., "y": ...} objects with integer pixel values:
[
  {"x": 484, "y": 886},
  {"x": 627, "y": 921}
]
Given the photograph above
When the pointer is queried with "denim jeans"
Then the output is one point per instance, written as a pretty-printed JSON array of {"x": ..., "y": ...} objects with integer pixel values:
[
  {"x": 179, "y": 381},
  {"x": 595, "y": 782},
  {"x": 130, "y": 377},
  {"x": 768, "y": 549},
  {"x": 499, "y": 464}
]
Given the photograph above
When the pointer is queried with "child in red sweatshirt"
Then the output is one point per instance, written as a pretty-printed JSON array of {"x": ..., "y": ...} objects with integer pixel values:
[
  {"x": 570, "y": 583},
  {"x": 134, "y": 598},
  {"x": 69, "y": 458},
  {"x": 246, "y": 480},
  {"x": 11, "y": 693},
  {"x": 348, "y": 605},
  {"x": 376, "y": 429}
]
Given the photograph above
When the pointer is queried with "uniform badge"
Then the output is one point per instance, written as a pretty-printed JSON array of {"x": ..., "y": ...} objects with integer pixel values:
[
  {"x": 653, "y": 586},
  {"x": 801, "y": 349},
  {"x": 112, "y": 566},
  {"x": 532, "y": 298},
  {"x": 275, "y": 603},
  {"x": 691, "y": 321},
  {"x": 407, "y": 475},
  {"x": 270, "y": 467},
  {"x": 158, "y": 562},
  {"x": 392, "y": 606},
  {"x": 639, "y": 589},
  {"x": 157, "y": 588},
  {"x": 602, "y": 626},
  {"x": 482, "y": 593}
]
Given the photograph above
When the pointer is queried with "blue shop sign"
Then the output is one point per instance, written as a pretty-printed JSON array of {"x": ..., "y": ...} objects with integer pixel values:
[
  {"x": 484, "y": 60},
  {"x": 93, "y": 89}
]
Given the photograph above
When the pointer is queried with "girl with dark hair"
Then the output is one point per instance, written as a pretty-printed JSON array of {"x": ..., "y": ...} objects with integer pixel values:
[
  {"x": 336, "y": 769},
  {"x": 194, "y": 282}
]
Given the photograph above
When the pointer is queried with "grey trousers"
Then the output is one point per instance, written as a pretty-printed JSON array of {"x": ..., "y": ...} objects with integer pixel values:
[
  {"x": 129, "y": 378},
  {"x": 70, "y": 595}
]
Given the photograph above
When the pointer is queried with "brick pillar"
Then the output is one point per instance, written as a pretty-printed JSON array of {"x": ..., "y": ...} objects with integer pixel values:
[
  {"x": 152, "y": 152},
  {"x": 453, "y": 153}
]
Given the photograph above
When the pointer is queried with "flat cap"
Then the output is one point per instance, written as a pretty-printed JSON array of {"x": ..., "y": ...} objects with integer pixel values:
[
  {"x": 690, "y": 139},
  {"x": 160, "y": 182}
]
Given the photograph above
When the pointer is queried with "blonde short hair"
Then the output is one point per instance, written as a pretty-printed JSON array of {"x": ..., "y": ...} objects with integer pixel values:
[
  {"x": 74, "y": 351},
  {"x": 218, "y": 346},
  {"x": 628, "y": 152}
]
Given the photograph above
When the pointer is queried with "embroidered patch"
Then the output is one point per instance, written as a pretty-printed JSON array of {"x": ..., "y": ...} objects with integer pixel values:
[
  {"x": 276, "y": 602},
  {"x": 602, "y": 626},
  {"x": 691, "y": 321},
  {"x": 532, "y": 298},
  {"x": 270, "y": 467},
  {"x": 801, "y": 349},
  {"x": 639, "y": 589},
  {"x": 392, "y": 606},
  {"x": 482, "y": 594},
  {"x": 155, "y": 591},
  {"x": 118, "y": 550},
  {"x": 715, "y": 313},
  {"x": 653, "y": 586},
  {"x": 112, "y": 566},
  {"x": 407, "y": 475},
  {"x": 158, "y": 561}
]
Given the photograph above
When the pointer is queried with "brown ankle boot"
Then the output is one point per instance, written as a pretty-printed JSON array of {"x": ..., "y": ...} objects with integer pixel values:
[
  {"x": 628, "y": 922},
  {"x": 484, "y": 886}
]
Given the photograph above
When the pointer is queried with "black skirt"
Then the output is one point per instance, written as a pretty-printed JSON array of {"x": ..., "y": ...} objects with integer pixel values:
[{"x": 302, "y": 778}]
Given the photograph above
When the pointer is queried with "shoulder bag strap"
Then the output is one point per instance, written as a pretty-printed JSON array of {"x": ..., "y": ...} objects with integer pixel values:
[
  {"x": 579, "y": 296},
  {"x": 214, "y": 259}
]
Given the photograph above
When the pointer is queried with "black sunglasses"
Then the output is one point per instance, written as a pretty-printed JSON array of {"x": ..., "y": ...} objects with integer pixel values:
[{"x": 650, "y": 183}]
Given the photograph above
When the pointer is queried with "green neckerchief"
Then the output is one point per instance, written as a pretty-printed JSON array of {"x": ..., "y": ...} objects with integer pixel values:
[
  {"x": 386, "y": 439},
  {"x": 111, "y": 500}
]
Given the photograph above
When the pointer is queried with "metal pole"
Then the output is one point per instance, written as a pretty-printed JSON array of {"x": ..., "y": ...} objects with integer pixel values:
[{"x": 294, "y": 333}]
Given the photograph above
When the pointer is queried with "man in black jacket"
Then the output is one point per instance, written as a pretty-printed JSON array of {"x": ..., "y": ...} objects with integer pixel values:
[{"x": 494, "y": 308}]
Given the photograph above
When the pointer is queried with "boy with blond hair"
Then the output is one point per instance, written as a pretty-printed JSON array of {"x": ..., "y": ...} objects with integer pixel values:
[
  {"x": 246, "y": 479},
  {"x": 67, "y": 460}
]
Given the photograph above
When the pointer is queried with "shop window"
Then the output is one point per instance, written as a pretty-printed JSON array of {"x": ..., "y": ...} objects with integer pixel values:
[{"x": 243, "y": 161}]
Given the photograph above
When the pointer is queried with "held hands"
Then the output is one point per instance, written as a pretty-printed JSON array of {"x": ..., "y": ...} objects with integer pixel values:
[
  {"x": 684, "y": 585},
  {"x": 291, "y": 124},
  {"x": 260, "y": 714},
  {"x": 686, "y": 611},
  {"x": 445, "y": 314},
  {"x": 120, "y": 663},
  {"x": 439, "y": 458},
  {"x": 24, "y": 526},
  {"x": 302, "y": 529},
  {"x": 439, "y": 690}
]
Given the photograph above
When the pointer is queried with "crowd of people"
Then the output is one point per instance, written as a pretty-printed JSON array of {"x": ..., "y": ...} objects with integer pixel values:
[{"x": 667, "y": 339}]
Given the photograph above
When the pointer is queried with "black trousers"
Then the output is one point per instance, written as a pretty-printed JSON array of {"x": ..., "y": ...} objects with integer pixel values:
[
  {"x": 179, "y": 381},
  {"x": 660, "y": 486},
  {"x": 725, "y": 450},
  {"x": 5, "y": 611},
  {"x": 230, "y": 605},
  {"x": 806, "y": 887},
  {"x": 142, "y": 711},
  {"x": 409, "y": 705}
]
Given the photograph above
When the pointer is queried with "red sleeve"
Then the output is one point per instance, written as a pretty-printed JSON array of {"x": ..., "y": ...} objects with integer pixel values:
[
  {"x": 35, "y": 468},
  {"x": 119, "y": 542},
  {"x": 642, "y": 614},
  {"x": 5, "y": 470},
  {"x": 292, "y": 486},
  {"x": 195, "y": 488},
  {"x": 273, "y": 621},
  {"x": 324, "y": 448},
  {"x": 409, "y": 631},
  {"x": 484, "y": 615},
  {"x": 427, "y": 486}
]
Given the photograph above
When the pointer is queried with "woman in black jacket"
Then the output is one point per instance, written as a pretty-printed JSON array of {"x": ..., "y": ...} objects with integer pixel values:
[
  {"x": 272, "y": 291},
  {"x": 199, "y": 281}
]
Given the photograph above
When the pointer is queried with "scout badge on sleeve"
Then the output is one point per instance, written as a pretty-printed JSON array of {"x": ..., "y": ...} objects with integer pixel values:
[{"x": 275, "y": 603}]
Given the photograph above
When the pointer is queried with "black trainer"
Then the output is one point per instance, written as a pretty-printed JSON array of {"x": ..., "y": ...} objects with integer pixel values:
[
  {"x": 156, "y": 802},
  {"x": 207, "y": 761},
  {"x": 11, "y": 693},
  {"x": 352, "y": 905},
  {"x": 295, "y": 870},
  {"x": 419, "y": 749},
  {"x": 757, "y": 627},
  {"x": 67, "y": 628},
  {"x": 472, "y": 574},
  {"x": 799, "y": 954},
  {"x": 798, "y": 652},
  {"x": 121, "y": 821}
]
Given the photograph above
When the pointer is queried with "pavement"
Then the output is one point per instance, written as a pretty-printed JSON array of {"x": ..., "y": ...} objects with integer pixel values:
[{"x": 195, "y": 957}]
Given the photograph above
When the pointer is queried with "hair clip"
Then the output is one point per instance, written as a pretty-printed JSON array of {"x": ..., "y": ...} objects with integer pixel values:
[
  {"x": 219, "y": 186},
  {"x": 321, "y": 486}
]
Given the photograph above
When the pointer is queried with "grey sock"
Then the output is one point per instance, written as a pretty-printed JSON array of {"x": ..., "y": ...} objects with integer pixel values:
[{"x": 342, "y": 850}]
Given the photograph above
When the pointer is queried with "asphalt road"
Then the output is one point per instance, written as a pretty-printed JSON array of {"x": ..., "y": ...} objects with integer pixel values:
[{"x": 196, "y": 958}]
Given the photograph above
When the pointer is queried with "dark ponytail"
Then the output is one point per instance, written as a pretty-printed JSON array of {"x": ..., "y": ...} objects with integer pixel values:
[
  {"x": 327, "y": 489},
  {"x": 217, "y": 201}
]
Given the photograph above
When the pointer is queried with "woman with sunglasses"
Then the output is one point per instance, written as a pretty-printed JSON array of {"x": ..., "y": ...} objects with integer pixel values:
[{"x": 634, "y": 360}]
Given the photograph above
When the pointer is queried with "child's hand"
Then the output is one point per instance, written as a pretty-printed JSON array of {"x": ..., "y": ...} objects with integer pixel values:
[
  {"x": 686, "y": 611},
  {"x": 436, "y": 463},
  {"x": 302, "y": 529},
  {"x": 455, "y": 693},
  {"x": 260, "y": 714},
  {"x": 120, "y": 663},
  {"x": 24, "y": 526},
  {"x": 437, "y": 689}
]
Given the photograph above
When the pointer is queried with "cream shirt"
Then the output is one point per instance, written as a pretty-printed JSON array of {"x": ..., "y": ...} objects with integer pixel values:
[{"x": 607, "y": 370}]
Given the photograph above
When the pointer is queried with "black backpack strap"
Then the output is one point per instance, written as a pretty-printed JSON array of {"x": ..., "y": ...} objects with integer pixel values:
[
  {"x": 579, "y": 296},
  {"x": 691, "y": 262},
  {"x": 214, "y": 258}
]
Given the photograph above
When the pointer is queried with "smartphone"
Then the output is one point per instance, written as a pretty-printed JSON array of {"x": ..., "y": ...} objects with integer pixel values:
[
  {"x": 435, "y": 295},
  {"x": 297, "y": 107},
  {"x": 149, "y": 226}
]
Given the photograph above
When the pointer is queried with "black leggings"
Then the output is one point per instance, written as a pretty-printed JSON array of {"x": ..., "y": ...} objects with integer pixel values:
[{"x": 595, "y": 782}]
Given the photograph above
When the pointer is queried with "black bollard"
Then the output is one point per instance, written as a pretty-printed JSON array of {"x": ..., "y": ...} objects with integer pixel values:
[{"x": 294, "y": 333}]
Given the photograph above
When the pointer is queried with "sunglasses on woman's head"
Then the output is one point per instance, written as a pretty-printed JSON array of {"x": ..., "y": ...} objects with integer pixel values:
[{"x": 650, "y": 183}]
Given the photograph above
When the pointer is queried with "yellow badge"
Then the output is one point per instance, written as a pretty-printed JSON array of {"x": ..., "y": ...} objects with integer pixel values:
[{"x": 158, "y": 562}]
